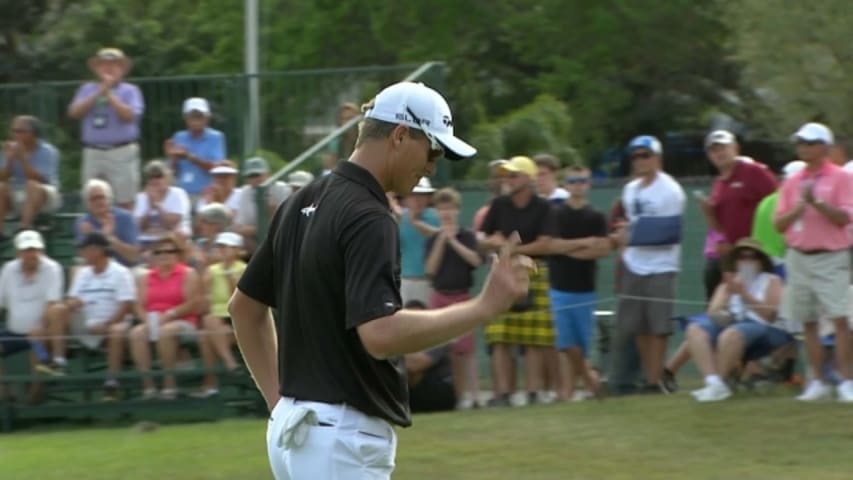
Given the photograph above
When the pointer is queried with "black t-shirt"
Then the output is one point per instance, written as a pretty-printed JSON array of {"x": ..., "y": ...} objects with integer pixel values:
[
  {"x": 454, "y": 274},
  {"x": 331, "y": 262},
  {"x": 505, "y": 217},
  {"x": 566, "y": 273}
]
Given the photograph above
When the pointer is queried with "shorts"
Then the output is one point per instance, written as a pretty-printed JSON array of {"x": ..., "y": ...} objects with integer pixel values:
[
  {"x": 532, "y": 327},
  {"x": 574, "y": 318},
  {"x": 12, "y": 343},
  {"x": 816, "y": 284},
  {"x": 119, "y": 166},
  {"x": 79, "y": 329},
  {"x": 760, "y": 340},
  {"x": 53, "y": 200},
  {"x": 649, "y": 311},
  {"x": 463, "y": 344}
]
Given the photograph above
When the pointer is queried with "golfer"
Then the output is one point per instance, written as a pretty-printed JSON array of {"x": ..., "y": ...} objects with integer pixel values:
[{"x": 330, "y": 363}]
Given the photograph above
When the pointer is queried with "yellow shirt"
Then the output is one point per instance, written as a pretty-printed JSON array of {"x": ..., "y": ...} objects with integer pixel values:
[{"x": 219, "y": 291}]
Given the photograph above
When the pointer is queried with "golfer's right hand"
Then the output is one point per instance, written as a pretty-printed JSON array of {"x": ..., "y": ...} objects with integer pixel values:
[{"x": 508, "y": 279}]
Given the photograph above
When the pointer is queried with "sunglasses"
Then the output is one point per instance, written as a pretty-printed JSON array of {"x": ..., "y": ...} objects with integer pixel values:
[
  {"x": 641, "y": 155},
  {"x": 577, "y": 180},
  {"x": 435, "y": 148},
  {"x": 166, "y": 251}
]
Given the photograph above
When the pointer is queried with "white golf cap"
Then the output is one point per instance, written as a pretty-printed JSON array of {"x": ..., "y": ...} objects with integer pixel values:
[
  {"x": 223, "y": 170},
  {"x": 423, "y": 186},
  {"x": 28, "y": 239},
  {"x": 418, "y": 106},
  {"x": 300, "y": 178},
  {"x": 814, "y": 132},
  {"x": 719, "y": 137},
  {"x": 791, "y": 168},
  {"x": 196, "y": 104},
  {"x": 229, "y": 239}
]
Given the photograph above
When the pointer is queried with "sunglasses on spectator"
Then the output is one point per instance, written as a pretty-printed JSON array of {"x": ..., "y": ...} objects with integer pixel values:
[
  {"x": 810, "y": 143},
  {"x": 166, "y": 251},
  {"x": 577, "y": 180},
  {"x": 435, "y": 148},
  {"x": 642, "y": 155},
  {"x": 93, "y": 198}
]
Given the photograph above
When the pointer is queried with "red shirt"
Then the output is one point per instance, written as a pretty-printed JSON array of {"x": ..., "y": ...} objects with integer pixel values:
[{"x": 735, "y": 198}]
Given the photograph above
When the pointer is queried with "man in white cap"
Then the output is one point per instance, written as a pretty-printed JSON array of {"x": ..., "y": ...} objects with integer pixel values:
[
  {"x": 223, "y": 189},
  {"x": 343, "y": 382},
  {"x": 110, "y": 111},
  {"x": 299, "y": 179},
  {"x": 256, "y": 171},
  {"x": 418, "y": 222},
  {"x": 814, "y": 213},
  {"x": 195, "y": 151}
]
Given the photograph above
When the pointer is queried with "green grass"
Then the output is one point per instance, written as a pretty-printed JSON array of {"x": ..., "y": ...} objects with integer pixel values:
[{"x": 749, "y": 437}]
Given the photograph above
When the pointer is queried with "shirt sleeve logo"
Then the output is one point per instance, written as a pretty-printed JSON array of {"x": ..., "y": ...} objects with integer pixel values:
[{"x": 309, "y": 210}]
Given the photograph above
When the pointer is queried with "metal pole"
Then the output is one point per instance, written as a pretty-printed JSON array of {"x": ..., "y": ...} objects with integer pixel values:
[{"x": 253, "y": 121}]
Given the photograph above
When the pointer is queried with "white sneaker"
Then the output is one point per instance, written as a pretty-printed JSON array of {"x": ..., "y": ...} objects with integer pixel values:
[
  {"x": 815, "y": 392},
  {"x": 845, "y": 391},
  {"x": 714, "y": 392}
]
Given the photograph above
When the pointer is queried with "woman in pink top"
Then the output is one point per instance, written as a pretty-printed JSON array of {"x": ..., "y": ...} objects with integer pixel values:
[{"x": 168, "y": 308}]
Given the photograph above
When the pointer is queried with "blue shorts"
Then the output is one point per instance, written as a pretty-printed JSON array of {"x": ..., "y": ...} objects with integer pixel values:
[
  {"x": 12, "y": 343},
  {"x": 760, "y": 339},
  {"x": 574, "y": 318}
]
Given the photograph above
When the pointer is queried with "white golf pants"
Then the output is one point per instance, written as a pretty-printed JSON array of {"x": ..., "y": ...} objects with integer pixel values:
[{"x": 322, "y": 441}]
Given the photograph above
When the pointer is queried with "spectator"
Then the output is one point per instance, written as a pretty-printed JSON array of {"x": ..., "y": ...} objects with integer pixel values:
[
  {"x": 814, "y": 212},
  {"x": 431, "y": 388},
  {"x": 195, "y": 151},
  {"x": 529, "y": 322},
  {"x": 110, "y": 111},
  {"x": 418, "y": 221},
  {"x": 548, "y": 167},
  {"x": 451, "y": 257},
  {"x": 213, "y": 219},
  {"x": 30, "y": 289},
  {"x": 742, "y": 321},
  {"x": 161, "y": 208},
  {"x": 578, "y": 236},
  {"x": 168, "y": 308},
  {"x": 736, "y": 191},
  {"x": 256, "y": 171},
  {"x": 654, "y": 203},
  {"x": 341, "y": 147},
  {"x": 223, "y": 189},
  {"x": 495, "y": 186},
  {"x": 763, "y": 230},
  {"x": 219, "y": 282},
  {"x": 99, "y": 304},
  {"x": 299, "y": 179},
  {"x": 115, "y": 223},
  {"x": 29, "y": 178}
]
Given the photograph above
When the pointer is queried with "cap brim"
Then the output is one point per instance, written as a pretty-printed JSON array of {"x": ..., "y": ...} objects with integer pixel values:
[
  {"x": 223, "y": 171},
  {"x": 454, "y": 148},
  {"x": 30, "y": 245}
]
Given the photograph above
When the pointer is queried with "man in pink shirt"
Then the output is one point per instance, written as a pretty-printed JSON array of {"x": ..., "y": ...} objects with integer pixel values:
[{"x": 814, "y": 211}]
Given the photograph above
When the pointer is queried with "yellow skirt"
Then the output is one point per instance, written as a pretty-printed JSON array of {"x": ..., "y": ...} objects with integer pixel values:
[{"x": 532, "y": 327}]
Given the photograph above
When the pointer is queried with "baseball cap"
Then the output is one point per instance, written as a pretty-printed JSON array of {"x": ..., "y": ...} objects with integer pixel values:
[
  {"x": 300, "y": 178},
  {"x": 418, "y": 106},
  {"x": 255, "y": 166},
  {"x": 28, "y": 239},
  {"x": 423, "y": 186},
  {"x": 719, "y": 137},
  {"x": 814, "y": 132},
  {"x": 96, "y": 239},
  {"x": 791, "y": 168},
  {"x": 648, "y": 142},
  {"x": 520, "y": 164},
  {"x": 229, "y": 239},
  {"x": 196, "y": 104},
  {"x": 223, "y": 170}
]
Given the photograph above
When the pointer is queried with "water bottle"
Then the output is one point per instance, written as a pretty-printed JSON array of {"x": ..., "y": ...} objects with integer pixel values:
[{"x": 153, "y": 326}]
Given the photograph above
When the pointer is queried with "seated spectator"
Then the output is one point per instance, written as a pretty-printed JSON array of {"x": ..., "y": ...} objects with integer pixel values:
[
  {"x": 30, "y": 289},
  {"x": 99, "y": 304},
  {"x": 29, "y": 177},
  {"x": 223, "y": 189},
  {"x": 213, "y": 219},
  {"x": 742, "y": 321},
  {"x": 161, "y": 208},
  {"x": 299, "y": 179},
  {"x": 219, "y": 282},
  {"x": 195, "y": 151},
  {"x": 430, "y": 381},
  {"x": 256, "y": 171},
  {"x": 167, "y": 307},
  {"x": 115, "y": 223}
]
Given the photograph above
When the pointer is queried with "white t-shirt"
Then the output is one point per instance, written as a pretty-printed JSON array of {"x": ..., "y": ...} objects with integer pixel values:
[
  {"x": 26, "y": 299},
  {"x": 559, "y": 193},
  {"x": 247, "y": 211},
  {"x": 102, "y": 293},
  {"x": 176, "y": 201},
  {"x": 663, "y": 197},
  {"x": 232, "y": 202}
]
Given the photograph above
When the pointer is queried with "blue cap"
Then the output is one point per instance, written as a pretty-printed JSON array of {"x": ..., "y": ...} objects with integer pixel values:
[{"x": 645, "y": 141}]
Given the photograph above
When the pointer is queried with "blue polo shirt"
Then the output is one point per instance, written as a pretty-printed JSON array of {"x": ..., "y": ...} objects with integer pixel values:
[
  {"x": 413, "y": 244},
  {"x": 45, "y": 160},
  {"x": 125, "y": 230},
  {"x": 210, "y": 145}
]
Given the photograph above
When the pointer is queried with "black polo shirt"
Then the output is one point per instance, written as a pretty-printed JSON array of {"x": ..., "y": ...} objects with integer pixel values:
[
  {"x": 565, "y": 273},
  {"x": 454, "y": 274},
  {"x": 505, "y": 217},
  {"x": 329, "y": 263}
]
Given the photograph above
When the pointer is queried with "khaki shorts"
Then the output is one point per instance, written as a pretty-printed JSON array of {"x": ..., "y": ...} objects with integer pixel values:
[
  {"x": 53, "y": 200},
  {"x": 118, "y": 166},
  {"x": 816, "y": 284}
]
